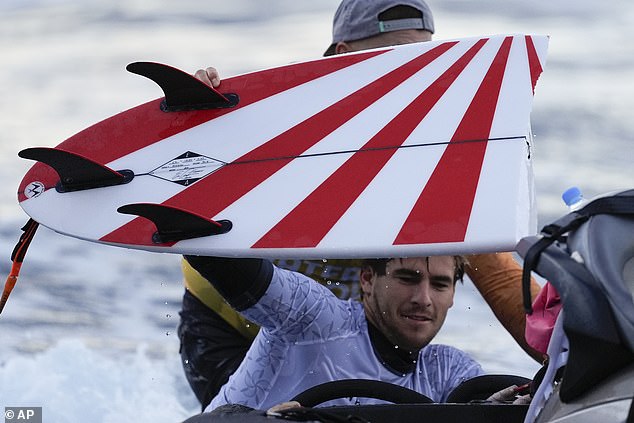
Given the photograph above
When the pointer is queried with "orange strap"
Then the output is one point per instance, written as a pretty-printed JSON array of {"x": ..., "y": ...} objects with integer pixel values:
[{"x": 17, "y": 257}]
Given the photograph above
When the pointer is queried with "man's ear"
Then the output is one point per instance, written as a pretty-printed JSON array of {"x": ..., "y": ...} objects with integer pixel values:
[
  {"x": 342, "y": 47},
  {"x": 366, "y": 279}
]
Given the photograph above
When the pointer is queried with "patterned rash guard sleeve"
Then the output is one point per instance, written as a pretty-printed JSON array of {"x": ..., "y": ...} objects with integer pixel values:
[
  {"x": 447, "y": 367},
  {"x": 298, "y": 309}
]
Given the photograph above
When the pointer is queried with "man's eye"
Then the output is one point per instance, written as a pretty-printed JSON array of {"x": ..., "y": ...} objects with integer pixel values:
[{"x": 408, "y": 279}]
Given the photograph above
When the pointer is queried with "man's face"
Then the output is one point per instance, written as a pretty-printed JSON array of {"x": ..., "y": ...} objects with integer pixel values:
[
  {"x": 393, "y": 38},
  {"x": 410, "y": 302}
]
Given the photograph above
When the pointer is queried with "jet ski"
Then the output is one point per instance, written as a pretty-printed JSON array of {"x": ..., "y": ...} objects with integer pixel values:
[{"x": 588, "y": 256}]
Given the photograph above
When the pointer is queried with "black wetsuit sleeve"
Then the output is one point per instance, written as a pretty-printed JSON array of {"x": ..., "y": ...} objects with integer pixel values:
[{"x": 240, "y": 281}]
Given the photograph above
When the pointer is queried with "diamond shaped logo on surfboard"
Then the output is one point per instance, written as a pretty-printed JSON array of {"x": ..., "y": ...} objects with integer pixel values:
[{"x": 187, "y": 168}]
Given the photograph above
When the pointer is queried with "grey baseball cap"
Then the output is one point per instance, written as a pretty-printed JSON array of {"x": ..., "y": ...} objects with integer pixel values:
[{"x": 357, "y": 19}]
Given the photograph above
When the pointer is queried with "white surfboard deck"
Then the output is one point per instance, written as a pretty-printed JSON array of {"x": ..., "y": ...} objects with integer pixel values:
[{"x": 418, "y": 149}]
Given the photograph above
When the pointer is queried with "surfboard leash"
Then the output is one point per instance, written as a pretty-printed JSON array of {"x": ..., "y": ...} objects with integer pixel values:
[{"x": 17, "y": 257}]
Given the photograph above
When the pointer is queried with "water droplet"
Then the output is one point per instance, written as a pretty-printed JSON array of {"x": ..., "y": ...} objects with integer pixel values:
[
  {"x": 165, "y": 302},
  {"x": 186, "y": 361},
  {"x": 169, "y": 316},
  {"x": 395, "y": 347},
  {"x": 337, "y": 283},
  {"x": 324, "y": 260},
  {"x": 328, "y": 282},
  {"x": 248, "y": 325},
  {"x": 167, "y": 333}
]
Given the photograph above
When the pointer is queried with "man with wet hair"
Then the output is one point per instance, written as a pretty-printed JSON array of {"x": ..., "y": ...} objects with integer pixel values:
[{"x": 308, "y": 336}]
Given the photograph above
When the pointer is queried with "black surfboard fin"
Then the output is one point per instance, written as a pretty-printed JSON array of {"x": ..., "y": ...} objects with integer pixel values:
[
  {"x": 76, "y": 172},
  {"x": 174, "y": 224},
  {"x": 182, "y": 90}
]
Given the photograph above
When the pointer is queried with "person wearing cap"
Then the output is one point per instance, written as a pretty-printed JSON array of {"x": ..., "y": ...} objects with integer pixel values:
[
  {"x": 215, "y": 338},
  {"x": 361, "y": 25}
]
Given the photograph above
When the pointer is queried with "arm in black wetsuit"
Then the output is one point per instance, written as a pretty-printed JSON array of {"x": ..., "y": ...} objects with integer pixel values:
[{"x": 240, "y": 281}]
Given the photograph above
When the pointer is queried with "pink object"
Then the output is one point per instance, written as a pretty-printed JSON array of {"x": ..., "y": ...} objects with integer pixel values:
[{"x": 540, "y": 324}]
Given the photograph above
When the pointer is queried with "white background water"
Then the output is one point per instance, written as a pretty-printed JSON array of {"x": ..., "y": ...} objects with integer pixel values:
[{"x": 89, "y": 332}]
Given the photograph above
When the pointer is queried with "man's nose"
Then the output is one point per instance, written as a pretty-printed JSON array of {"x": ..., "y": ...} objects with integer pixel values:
[{"x": 421, "y": 294}]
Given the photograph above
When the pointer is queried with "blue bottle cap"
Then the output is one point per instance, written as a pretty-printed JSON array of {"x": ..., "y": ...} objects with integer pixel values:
[{"x": 571, "y": 196}]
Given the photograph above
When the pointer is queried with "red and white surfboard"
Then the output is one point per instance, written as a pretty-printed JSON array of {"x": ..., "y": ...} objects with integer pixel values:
[{"x": 412, "y": 150}]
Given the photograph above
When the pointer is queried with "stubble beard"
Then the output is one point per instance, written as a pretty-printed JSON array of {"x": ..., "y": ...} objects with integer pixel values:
[{"x": 391, "y": 329}]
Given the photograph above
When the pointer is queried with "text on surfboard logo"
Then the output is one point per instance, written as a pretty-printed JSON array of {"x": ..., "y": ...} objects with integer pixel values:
[{"x": 187, "y": 168}]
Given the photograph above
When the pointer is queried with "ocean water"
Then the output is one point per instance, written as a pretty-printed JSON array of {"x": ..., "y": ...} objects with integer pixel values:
[{"x": 89, "y": 331}]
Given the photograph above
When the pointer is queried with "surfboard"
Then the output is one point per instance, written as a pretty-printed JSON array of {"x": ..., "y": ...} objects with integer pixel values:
[{"x": 409, "y": 150}]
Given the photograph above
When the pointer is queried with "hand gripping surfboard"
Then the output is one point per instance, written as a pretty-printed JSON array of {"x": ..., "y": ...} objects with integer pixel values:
[{"x": 410, "y": 150}]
